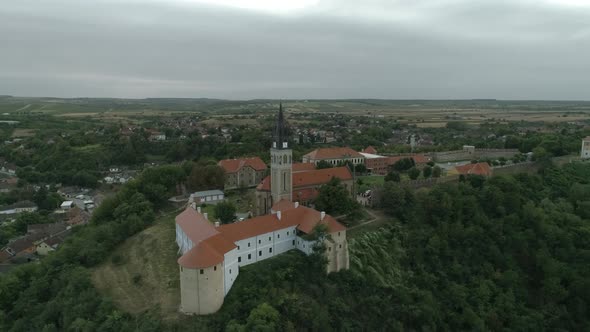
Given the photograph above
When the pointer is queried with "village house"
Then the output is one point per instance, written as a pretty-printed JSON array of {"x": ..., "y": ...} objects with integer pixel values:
[
  {"x": 155, "y": 135},
  {"x": 66, "y": 205},
  {"x": 243, "y": 172},
  {"x": 37, "y": 234},
  {"x": 482, "y": 169},
  {"x": 18, "y": 207},
  {"x": 207, "y": 197},
  {"x": 380, "y": 165},
  {"x": 212, "y": 254}
]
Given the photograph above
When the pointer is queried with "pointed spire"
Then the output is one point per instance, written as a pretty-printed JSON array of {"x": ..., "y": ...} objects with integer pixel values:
[{"x": 280, "y": 134}]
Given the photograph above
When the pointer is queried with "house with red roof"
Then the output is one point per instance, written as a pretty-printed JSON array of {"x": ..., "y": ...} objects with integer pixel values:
[
  {"x": 243, "y": 172},
  {"x": 482, "y": 169},
  {"x": 212, "y": 254}
]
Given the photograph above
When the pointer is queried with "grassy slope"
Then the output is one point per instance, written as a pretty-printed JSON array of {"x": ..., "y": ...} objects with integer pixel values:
[{"x": 151, "y": 254}]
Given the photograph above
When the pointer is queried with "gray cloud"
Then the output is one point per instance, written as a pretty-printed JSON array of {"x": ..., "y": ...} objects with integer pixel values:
[{"x": 515, "y": 49}]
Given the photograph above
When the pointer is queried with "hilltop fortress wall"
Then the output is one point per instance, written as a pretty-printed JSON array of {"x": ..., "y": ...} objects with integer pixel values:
[{"x": 470, "y": 152}]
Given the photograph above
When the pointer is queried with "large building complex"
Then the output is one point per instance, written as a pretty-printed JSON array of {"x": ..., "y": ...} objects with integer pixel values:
[
  {"x": 212, "y": 254},
  {"x": 334, "y": 156}
]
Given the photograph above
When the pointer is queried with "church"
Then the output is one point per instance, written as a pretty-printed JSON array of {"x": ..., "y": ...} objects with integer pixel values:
[
  {"x": 212, "y": 254},
  {"x": 293, "y": 181}
]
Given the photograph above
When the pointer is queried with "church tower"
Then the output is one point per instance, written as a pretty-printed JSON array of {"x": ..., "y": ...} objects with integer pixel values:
[{"x": 280, "y": 162}]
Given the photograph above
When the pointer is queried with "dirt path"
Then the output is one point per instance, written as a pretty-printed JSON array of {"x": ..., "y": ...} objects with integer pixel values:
[{"x": 23, "y": 108}]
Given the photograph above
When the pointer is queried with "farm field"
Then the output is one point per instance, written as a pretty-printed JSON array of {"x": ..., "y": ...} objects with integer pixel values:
[{"x": 422, "y": 113}]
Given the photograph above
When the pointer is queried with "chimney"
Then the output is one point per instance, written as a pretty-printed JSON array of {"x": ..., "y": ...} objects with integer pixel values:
[
  {"x": 296, "y": 204},
  {"x": 206, "y": 215},
  {"x": 217, "y": 224},
  {"x": 279, "y": 215},
  {"x": 198, "y": 209},
  {"x": 322, "y": 215}
]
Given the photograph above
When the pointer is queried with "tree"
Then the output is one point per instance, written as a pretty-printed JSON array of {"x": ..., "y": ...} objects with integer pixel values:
[
  {"x": 397, "y": 201},
  {"x": 403, "y": 164},
  {"x": 359, "y": 169},
  {"x": 436, "y": 171},
  {"x": 427, "y": 172},
  {"x": 225, "y": 211},
  {"x": 333, "y": 198},
  {"x": 457, "y": 125},
  {"x": 414, "y": 173},
  {"x": 393, "y": 176},
  {"x": 263, "y": 318},
  {"x": 323, "y": 164},
  {"x": 205, "y": 177},
  {"x": 540, "y": 154}
]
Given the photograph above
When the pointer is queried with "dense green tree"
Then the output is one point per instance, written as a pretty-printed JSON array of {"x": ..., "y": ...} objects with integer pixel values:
[
  {"x": 334, "y": 198},
  {"x": 414, "y": 173},
  {"x": 403, "y": 164},
  {"x": 396, "y": 200},
  {"x": 205, "y": 177},
  {"x": 393, "y": 176},
  {"x": 436, "y": 171},
  {"x": 225, "y": 211},
  {"x": 323, "y": 164},
  {"x": 427, "y": 171}
]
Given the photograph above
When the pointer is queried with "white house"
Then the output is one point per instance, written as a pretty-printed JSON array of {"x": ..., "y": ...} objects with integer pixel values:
[
  {"x": 207, "y": 197},
  {"x": 585, "y": 153},
  {"x": 66, "y": 205},
  {"x": 18, "y": 207}
]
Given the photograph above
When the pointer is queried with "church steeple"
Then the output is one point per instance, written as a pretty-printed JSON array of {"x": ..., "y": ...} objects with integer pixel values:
[
  {"x": 281, "y": 159},
  {"x": 280, "y": 131}
]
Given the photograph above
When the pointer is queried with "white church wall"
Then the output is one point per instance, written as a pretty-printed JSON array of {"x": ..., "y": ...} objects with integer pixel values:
[
  {"x": 230, "y": 269},
  {"x": 182, "y": 240},
  {"x": 304, "y": 245},
  {"x": 284, "y": 240}
]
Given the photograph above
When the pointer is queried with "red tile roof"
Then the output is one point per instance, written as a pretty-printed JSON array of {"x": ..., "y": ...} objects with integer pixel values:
[
  {"x": 209, "y": 249},
  {"x": 333, "y": 153},
  {"x": 283, "y": 205},
  {"x": 315, "y": 177},
  {"x": 304, "y": 195},
  {"x": 303, "y": 217},
  {"x": 475, "y": 169},
  {"x": 195, "y": 226},
  {"x": 303, "y": 167},
  {"x": 370, "y": 149},
  {"x": 234, "y": 165}
]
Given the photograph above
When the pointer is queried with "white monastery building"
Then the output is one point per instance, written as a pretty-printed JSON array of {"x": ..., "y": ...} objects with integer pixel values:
[{"x": 212, "y": 254}]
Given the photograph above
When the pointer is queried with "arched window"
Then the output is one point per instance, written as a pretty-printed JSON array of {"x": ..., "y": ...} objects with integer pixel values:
[{"x": 285, "y": 159}]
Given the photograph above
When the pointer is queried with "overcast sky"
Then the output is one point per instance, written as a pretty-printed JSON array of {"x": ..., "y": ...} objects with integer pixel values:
[{"x": 398, "y": 49}]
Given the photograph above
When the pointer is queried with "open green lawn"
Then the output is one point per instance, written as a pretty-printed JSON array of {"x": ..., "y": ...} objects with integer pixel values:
[{"x": 371, "y": 180}]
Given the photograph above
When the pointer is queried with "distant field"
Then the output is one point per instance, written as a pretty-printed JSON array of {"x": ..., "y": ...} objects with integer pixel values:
[
  {"x": 151, "y": 255},
  {"x": 423, "y": 113},
  {"x": 21, "y": 132}
]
